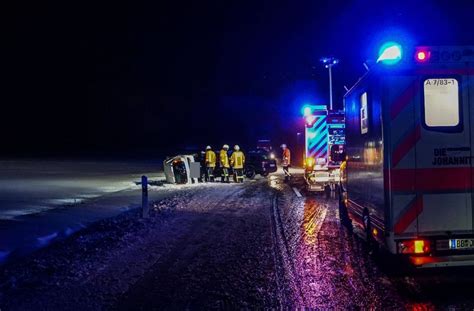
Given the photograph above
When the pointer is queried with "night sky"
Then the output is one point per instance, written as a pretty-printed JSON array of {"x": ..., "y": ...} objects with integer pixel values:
[{"x": 150, "y": 78}]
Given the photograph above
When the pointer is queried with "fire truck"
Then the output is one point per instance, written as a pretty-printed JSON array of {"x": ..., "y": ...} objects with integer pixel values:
[
  {"x": 324, "y": 147},
  {"x": 408, "y": 180}
]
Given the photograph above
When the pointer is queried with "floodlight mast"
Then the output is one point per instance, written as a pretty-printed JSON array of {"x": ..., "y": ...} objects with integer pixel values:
[{"x": 328, "y": 63}]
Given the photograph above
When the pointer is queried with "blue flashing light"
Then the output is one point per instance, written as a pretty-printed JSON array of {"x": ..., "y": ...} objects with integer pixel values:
[
  {"x": 390, "y": 53},
  {"x": 306, "y": 110}
]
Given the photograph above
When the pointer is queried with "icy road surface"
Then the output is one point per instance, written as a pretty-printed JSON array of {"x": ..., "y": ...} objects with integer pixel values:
[{"x": 223, "y": 246}]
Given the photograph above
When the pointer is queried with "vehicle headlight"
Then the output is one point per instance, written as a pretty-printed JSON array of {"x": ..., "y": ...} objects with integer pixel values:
[{"x": 272, "y": 156}]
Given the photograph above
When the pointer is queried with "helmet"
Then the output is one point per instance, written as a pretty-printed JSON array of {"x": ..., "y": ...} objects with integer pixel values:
[
  {"x": 283, "y": 146},
  {"x": 225, "y": 147},
  {"x": 208, "y": 148},
  {"x": 236, "y": 148}
]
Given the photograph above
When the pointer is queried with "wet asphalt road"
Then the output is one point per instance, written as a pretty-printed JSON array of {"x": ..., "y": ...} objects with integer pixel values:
[
  {"x": 262, "y": 245},
  {"x": 227, "y": 246}
]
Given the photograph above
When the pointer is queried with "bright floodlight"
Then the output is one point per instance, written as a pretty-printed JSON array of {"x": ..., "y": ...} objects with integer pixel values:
[{"x": 390, "y": 53}]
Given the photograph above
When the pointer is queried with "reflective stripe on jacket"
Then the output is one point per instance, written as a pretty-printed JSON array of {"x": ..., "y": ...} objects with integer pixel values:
[
  {"x": 210, "y": 158},
  {"x": 237, "y": 159},
  {"x": 224, "y": 158}
]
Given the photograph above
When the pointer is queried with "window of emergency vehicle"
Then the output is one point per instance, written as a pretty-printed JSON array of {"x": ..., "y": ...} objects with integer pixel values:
[
  {"x": 441, "y": 103},
  {"x": 364, "y": 120}
]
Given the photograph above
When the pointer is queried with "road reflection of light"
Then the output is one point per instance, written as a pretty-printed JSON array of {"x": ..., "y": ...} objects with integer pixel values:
[
  {"x": 421, "y": 307},
  {"x": 314, "y": 215},
  {"x": 274, "y": 182}
]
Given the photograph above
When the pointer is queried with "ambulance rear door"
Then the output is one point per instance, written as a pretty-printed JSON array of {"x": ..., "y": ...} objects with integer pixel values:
[{"x": 443, "y": 140}]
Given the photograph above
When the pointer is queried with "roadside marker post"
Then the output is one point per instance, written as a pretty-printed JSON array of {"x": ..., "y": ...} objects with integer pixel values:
[{"x": 145, "y": 207}]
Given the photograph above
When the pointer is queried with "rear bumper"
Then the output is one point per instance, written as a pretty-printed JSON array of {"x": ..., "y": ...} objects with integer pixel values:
[
  {"x": 442, "y": 261},
  {"x": 441, "y": 253},
  {"x": 315, "y": 187},
  {"x": 270, "y": 169}
]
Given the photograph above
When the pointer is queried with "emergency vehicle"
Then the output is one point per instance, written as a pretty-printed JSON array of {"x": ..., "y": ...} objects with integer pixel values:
[
  {"x": 323, "y": 132},
  {"x": 408, "y": 179}
]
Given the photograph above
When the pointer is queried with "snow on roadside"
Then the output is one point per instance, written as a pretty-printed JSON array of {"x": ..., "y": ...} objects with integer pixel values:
[
  {"x": 69, "y": 262},
  {"x": 106, "y": 251}
]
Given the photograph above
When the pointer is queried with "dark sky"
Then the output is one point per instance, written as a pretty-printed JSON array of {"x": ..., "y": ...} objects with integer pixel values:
[{"x": 89, "y": 77}]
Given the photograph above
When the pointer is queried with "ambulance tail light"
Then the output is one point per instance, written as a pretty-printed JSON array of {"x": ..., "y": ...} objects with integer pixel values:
[{"x": 417, "y": 247}]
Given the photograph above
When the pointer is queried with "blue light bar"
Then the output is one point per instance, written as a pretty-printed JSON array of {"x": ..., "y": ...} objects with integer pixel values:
[{"x": 307, "y": 109}]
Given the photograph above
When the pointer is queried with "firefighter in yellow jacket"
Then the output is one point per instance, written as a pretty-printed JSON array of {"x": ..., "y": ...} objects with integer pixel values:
[
  {"x": 210, "y": 163},
  {"x": 224, "y": 162},
  {"x": 237, "y": 160}
]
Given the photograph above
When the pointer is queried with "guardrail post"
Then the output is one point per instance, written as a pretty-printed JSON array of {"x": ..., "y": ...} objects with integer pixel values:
[{"x": 145, "y": 207}]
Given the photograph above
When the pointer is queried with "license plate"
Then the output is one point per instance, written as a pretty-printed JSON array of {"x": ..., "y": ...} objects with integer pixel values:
[
  {"x": 461, "y": 244},
  {"x": 272, "y": 165}
]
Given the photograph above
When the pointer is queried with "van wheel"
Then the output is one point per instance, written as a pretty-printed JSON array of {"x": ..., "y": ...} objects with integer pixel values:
[
  {"x": 344, "y": 214},
  {"x": 367, "y": 227},
  {"x": 250, "y": 172}
]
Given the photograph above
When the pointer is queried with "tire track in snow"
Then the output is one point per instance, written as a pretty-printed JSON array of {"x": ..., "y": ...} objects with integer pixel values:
[{"x": 285, "y": 256}]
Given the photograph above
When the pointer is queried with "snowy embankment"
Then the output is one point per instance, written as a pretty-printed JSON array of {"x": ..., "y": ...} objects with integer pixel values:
[
  {"x": 96, "y": 267},
  {"x": 45, "y": 200},
  {"x": 80, "y": 258}
]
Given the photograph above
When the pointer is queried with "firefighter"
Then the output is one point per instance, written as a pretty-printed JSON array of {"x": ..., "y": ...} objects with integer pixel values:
[
  {"x": 224, "y": 161},
  {"x": 210, "y": 163},
  {"x": 286, "y": 161},
  {"x": 237, "y": 160}
]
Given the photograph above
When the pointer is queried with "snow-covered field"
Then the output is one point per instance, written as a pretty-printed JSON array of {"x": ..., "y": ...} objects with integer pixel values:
[{"x": 41, "y": 200}]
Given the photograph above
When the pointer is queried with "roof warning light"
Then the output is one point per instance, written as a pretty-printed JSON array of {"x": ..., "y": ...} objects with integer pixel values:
[{"x": 390, "y": 53}]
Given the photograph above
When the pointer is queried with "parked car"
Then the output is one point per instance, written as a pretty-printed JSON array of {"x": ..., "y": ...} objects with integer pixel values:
[{"x": 260, "y": 162}]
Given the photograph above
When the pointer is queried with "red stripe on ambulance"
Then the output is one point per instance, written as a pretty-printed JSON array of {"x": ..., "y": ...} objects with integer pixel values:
[
  {"x": 414, "y": 209},
  {"x": 404, "y": 99},
  {"x": 406, "y": 145},
  {"x": 431, "y": 179}
]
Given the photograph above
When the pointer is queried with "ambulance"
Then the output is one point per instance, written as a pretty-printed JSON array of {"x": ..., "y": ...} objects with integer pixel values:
[{"x": 408, "y": 179}]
